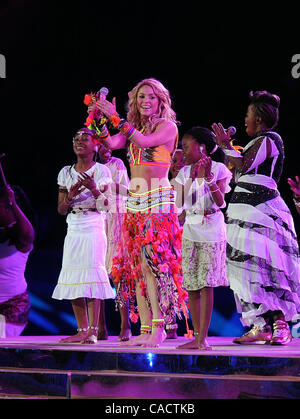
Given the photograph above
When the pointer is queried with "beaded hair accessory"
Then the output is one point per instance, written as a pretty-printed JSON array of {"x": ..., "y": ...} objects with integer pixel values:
[{"x": 95, "y": 117}]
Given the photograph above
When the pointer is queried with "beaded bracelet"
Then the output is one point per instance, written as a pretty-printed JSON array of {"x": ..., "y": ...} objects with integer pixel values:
[
  {"x": 128, "y": 130},
  {"x": 124, "y": 127},
  {"x": 103, "y": 132}
]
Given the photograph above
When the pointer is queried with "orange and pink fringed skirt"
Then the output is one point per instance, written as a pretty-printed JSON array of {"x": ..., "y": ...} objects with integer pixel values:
[{"x": 151, "y": 230}]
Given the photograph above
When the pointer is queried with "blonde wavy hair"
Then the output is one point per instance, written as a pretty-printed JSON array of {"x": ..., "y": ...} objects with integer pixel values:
[{"x": 165, "y": 111}]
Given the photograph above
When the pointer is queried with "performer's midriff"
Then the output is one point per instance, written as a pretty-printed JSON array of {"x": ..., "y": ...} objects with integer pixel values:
[
  {"x": 149, "y": 167},
  {"x": 146, "y": 178}
]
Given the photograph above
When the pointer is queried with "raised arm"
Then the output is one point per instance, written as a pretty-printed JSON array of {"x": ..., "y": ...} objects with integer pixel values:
[
  {"x": 253, "y": 154},
  {"x": 223, "y": 140},
  {"x": 24, "y": 228},
  {"x": 164, "y": 133}
]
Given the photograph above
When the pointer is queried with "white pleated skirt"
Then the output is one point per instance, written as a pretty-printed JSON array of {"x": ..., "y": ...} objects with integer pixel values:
[
  {"x": 83, "y": 272},
  {"x": 263, "y": 264}
]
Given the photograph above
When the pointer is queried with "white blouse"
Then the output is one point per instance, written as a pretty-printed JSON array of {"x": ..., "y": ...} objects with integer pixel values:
[
  {"x": 68, "y": 176},
  {"x": 200, "y": 226}
]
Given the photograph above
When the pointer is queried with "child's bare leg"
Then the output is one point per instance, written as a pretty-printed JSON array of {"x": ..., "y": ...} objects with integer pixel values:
[
  {"x": 195, "y": 304},
  {"x": 125, "y": 332},
  {"x": 207, "y": 301},
  {"x": 102, "y": 330},
  {"x": 80, "y": 312},
  {"x": 93, "y": 312}
]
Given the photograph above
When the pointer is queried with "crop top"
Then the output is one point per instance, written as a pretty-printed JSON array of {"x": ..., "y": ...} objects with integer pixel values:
[{"x": 152, "y": 156}]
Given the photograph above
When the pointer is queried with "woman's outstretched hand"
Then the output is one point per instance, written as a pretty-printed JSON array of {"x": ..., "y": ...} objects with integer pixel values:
[{"x": 222, "y": 137}]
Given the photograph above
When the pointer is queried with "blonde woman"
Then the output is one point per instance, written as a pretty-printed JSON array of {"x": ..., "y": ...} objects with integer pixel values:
[{"x": 148, "y": 264}]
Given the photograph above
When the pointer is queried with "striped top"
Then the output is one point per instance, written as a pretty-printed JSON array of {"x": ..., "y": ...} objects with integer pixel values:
[{"x": 152, "y": 156}]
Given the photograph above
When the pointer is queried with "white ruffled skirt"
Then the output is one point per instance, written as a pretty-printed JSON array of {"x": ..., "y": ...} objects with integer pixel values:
[
  {"x": 83, "y": 272},
  {"x": 263, "y": 264}
]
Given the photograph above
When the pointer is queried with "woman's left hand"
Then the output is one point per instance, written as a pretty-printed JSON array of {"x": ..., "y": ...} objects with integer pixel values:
[
  {"x": 108, "y": 108},
  {"x": 222, "y": 137}
]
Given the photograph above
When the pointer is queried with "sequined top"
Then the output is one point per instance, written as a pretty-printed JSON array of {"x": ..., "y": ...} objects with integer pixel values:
[{"x": 152, "y": 156}]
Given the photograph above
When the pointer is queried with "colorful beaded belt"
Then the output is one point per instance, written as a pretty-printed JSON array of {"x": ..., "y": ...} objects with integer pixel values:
[{"x": 150, "y": 199}]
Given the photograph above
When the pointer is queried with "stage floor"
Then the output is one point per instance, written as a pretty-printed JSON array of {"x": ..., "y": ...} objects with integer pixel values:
[
  {"x": 40, "y": 366},
  {"x": 220, "y": 346}
]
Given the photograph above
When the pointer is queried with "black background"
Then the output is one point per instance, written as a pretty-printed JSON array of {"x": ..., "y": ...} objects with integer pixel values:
[{"x": 209, "y": 55}]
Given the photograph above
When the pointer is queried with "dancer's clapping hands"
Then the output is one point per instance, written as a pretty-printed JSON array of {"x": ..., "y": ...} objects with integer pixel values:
[{"x": 202, "y": 168}]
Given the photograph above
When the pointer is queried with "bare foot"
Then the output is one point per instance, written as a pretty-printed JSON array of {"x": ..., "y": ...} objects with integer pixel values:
[
  {"x": 75, "y": 338},
  {"x": 204, "y": 346},
  {"x": 193, "y": 344},
  {"x": 125, "y": 334},
  {"x": 91, "y": 337},
  {"x": 156, "y": 338},
  {"x": 137, "y": 340}
]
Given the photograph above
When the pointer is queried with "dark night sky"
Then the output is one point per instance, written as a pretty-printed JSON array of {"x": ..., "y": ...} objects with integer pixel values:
[{"x": 209, "y": 57}]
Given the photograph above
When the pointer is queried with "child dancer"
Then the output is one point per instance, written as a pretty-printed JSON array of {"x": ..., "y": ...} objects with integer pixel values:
[
  {"x": 204, "y": 181},
  {"x": 115, "y": 219},
  {"x": 84, "y": 196}
]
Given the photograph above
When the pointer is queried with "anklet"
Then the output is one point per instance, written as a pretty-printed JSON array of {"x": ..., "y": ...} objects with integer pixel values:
[
  {"x": 145, "y": 329},
  {"x": 159, "y": 323},
  {"x": 82, "y": 329},
  {"x": 93, "y": 327},
  {"x": 172, "y": 326}
]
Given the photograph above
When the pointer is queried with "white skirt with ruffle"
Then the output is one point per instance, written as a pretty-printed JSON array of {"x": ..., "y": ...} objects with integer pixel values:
[{"x": 83, "y": 272}]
